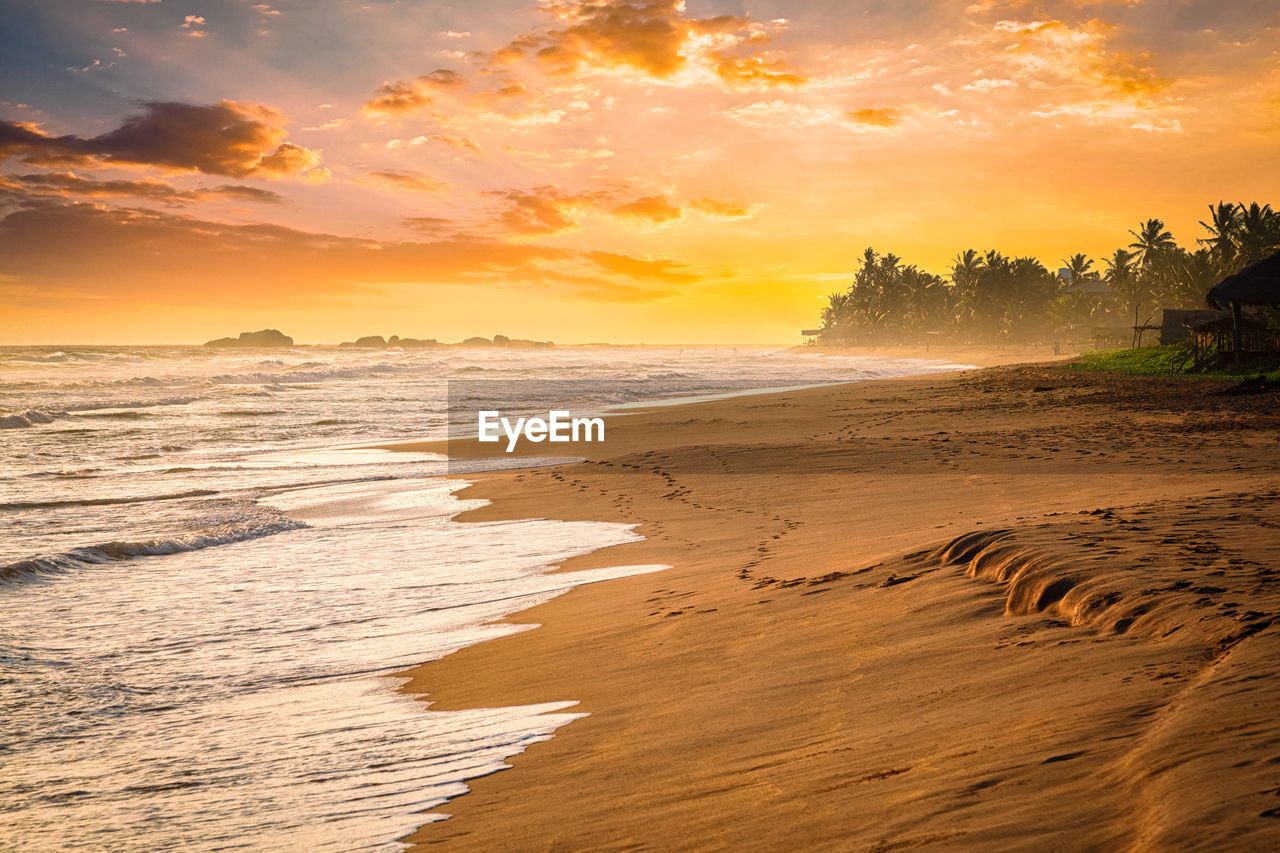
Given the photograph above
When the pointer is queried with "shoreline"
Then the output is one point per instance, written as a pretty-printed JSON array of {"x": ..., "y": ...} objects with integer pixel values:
[
  {"x": 978, "y": 355},
  {"x": 789, "y": 681}
]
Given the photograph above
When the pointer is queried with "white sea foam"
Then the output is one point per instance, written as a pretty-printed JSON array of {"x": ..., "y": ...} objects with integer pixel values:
[
  {"x": 31, "y": 417},
  {"x": 243, "y": 703},
  {"x": 223, "y": 688},
  {"x": 227, "y": 521}
]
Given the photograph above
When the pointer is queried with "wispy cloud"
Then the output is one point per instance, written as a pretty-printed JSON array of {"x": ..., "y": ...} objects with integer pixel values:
[
  {"x": 657, "y": 39},
  {"x": 402, "y": 180},
  {"x": 71, "y": 185},
  {"x": 274, "y": 266},
  {"x": 408, "y": 96}
]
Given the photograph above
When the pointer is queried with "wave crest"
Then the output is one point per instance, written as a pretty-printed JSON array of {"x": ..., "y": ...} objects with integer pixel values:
[{"x": 230, "y": 520}]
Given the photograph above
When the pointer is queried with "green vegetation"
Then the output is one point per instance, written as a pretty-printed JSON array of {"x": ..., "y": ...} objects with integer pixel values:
[
  {"x": 993, "y": 297},
  {"x": 1159, "y": 361},
  {"x": 1144, "y": 361}
]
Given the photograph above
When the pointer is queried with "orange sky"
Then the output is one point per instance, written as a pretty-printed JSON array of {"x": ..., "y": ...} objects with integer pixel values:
[{"x": 584, "y": 171}]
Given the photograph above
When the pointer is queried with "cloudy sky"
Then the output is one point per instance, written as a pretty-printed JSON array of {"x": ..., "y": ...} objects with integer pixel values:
[{"x": 586, "y": 170}]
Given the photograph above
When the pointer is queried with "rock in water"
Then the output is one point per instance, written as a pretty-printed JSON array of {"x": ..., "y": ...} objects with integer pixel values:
[{"x": 265, "y": 338}]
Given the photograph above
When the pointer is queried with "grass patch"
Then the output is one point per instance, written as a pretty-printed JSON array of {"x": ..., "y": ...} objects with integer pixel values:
[{"x": 1159, "y": 361}]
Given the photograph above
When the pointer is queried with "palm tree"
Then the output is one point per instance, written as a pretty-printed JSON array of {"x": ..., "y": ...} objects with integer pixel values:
[
  {"x": 1259, "y": 233},
  {"x": 965, "y": 271},
  {"x": 1151, "y": 240},
  {"x": 1224, "y": 230},
  {"x": 1193, "y": 274},
  {"x": 1031, "y": 290},
  {"x": 928, "y": 299},
  {"x": 837, "y": 318},
  {"x": 965, "y": 268},
  {"x": 1124, "y": 280},
  {"x": 1076, "y": 307},
  {"x": 1080, "y": 264}
]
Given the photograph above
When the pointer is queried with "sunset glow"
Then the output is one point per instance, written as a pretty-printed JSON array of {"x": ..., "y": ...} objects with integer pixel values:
[{"x": 590, "y": 170}]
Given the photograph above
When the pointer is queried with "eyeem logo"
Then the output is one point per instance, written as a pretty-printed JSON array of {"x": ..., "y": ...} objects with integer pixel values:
[{"x": 558, "y": 427}]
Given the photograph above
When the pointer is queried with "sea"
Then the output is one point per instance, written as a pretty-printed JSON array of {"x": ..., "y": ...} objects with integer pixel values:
[{"x": 210, "y": 574}]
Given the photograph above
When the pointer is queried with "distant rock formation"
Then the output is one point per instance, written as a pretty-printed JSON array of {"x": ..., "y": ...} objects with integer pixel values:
[
  {"x": 520, "y": 343},
  {"x": 366, "y": 341},
  {"x": 393, "y": 341},
  {"x": 265, "y": 338},
  {"x": 373, "y": 341},
  {"x": 508, "y": 343},
  {"x": 413, "y": 343}
]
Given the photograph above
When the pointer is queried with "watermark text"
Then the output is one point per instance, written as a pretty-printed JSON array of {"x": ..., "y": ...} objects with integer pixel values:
[{"x": 558, "y": 426}]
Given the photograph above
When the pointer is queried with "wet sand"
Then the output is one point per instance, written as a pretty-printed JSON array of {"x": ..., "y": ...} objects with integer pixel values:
[{"x": 1016, "y": 608}]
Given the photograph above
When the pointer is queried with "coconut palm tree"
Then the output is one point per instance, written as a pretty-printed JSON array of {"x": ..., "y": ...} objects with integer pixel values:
[
  {"x": 1224, "y": 230},
  {"x": 965, "y": 268},
  {"x": 837, "y": 319},
  {"x": 1122, "y": 275},
  {"x": 929, "y": 300},
  {"x": 1080, "y": 265},
  {"x": 1193, "y": 274},
  {"x": 1150, "y": 241},
  {"x": 1259, "y": 233},
  {"x": 1076, "y": 307}
]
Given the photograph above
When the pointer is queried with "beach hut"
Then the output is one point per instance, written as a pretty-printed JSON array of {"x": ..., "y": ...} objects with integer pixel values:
[
  {"x": 1213, "y": 337},
  {"x": 1255, "y": 285},
  {"x": 1175, "y": 323},
  {"x": 810, "y": 336}
]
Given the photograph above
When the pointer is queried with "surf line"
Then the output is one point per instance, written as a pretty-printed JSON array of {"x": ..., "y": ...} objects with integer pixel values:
[{"x": 558, "y": 426}]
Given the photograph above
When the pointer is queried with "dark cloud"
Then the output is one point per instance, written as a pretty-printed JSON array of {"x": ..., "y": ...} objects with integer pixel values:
[
  {"x": 69, "y": 184},
  {"x": 241, "y": 193},
  {"x": 226, "y": 138}
]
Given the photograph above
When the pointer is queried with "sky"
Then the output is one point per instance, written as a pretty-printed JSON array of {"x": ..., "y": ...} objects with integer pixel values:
[{"x": 590, "y": 170}]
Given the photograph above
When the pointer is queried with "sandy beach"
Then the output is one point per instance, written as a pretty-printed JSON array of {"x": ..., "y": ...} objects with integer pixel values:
[
  {"x": 977, "y": 355},
  {"x": 1014, "y": 608}
]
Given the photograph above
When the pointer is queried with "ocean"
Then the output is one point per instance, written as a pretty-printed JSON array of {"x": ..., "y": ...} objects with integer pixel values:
[{"x": 208, "y": 576}]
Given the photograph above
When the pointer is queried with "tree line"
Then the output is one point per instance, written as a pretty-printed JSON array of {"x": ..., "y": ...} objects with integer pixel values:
[{"x": 993, "y": 297}]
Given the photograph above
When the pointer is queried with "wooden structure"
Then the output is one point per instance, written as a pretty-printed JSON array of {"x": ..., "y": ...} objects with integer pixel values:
[
  {"x": 1224, "y": 338},
  {"x": 1175, "y": 324},
  {"x": 1255, "y": 285},
  {"x": 809, "y": 337}
]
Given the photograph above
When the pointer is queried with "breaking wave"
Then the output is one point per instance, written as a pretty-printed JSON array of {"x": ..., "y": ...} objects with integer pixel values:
[
  {"x": 30, "y": 417},
  {"x": 231, "y": 520}
]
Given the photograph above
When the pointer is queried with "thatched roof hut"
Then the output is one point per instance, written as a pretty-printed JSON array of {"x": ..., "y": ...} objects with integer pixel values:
[
  {"x": 1258, "y": 284},
  {"x": 1176, "y": 323},
  {"x": 1225, "y": 323}
]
